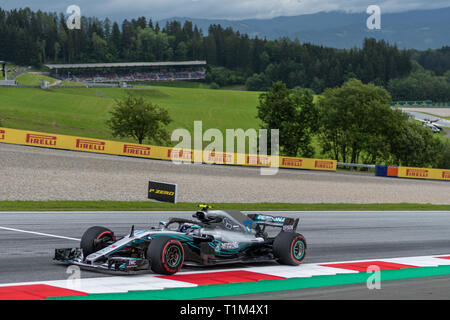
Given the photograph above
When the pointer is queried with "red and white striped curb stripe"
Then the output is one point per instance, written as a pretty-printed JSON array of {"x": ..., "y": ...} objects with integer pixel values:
[{"x": 189, "y": 278}]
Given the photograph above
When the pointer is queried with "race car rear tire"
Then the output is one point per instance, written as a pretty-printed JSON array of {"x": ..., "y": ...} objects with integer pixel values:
[
  {"x": 89, "y": 241},
  {"x": 289, "y": 248},
  {"x": 166, "y": 255}
]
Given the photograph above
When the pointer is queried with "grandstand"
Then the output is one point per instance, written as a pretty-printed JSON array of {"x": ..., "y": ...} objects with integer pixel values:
[{"x": 129, "y": 72}]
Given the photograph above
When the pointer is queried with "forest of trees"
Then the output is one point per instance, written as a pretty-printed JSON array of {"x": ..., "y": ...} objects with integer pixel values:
[
  {"x": 36, "y": 38},
  {"x": 420, "y": 84},
  {"x": 437, "y": 61},
  {"x": 351, "y": 123}
]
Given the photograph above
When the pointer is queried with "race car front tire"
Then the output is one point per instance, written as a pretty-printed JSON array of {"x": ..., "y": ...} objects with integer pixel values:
[
  {"x": 289, "y": 248},
  {"x": 166, "y": 255},
  {"x": 95, "y": 239}
]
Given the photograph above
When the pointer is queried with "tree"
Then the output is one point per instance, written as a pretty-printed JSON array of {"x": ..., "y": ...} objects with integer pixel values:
[
  {"x": 444, "y": 162},
  {"x": 415, "y": 146},
  {"x": 293, "y": 113},
  {"x": 115, "y": 42},
  {"x": 354, "y": 118},
  {"x": 447, "y": 76},
  {"x": 435, "y": 60},
  {"x": 139, "y": 119},
  {"x": 257, "y": 82},
  {"x": 99, "y": 47},
  {"x": 181, "y": 51},
  {"x": 146, "y": 42},
  {"x": 420, "y": 85}
]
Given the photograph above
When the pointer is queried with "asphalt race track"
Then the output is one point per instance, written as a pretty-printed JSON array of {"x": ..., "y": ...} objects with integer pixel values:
[
  {"x": 331, "y": 236},
  {"x": 418, "y": 115}
]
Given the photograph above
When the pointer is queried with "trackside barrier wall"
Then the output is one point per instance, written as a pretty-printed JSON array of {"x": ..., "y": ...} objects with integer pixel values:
[
  {"x": 392, "y": 171},
  {"x": 57, "y": 141},
  {"x": 415, "y": 173},
  {"x": 423, "y": 173},
  {"x": 381, "y": 171}
]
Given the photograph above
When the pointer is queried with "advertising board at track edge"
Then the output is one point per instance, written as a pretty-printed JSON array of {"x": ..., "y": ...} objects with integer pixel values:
[{"x": 58, "y": 141}]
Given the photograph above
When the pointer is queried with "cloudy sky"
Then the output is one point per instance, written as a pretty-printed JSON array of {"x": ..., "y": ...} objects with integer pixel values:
[{"x": 223, "y": 9}]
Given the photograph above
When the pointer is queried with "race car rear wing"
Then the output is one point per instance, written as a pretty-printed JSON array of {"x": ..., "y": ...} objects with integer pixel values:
[{"x": 288, "y": 224}]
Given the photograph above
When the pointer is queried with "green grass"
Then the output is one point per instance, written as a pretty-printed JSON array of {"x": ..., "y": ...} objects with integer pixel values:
[
  {"x": 241, "y": 87},
  {"x": 42, "y": 68},
  {"x": 73, "y": 84},
  {"x": 187, "y": 84},
  {"x": 175, "y": 84},
  {"x": 29, "y": 79},
  {"x": 186, "y": 206},
  {"x": 443, "y": 135},
  {"x": 83, "y": 112}
]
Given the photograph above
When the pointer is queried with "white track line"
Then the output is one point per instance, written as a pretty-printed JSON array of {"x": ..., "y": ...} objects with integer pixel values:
[{"x": 39, "y": 233}]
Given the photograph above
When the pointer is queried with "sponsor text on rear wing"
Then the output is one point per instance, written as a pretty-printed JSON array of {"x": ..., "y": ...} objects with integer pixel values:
[{"x": 288, "y": 224}]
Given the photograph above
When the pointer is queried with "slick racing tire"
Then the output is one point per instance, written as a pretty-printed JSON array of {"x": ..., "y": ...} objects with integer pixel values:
[
  {"x": 94, "y": 239},
  {"x": 166, "y": 255},
  {"x": 289, "y": 248}
]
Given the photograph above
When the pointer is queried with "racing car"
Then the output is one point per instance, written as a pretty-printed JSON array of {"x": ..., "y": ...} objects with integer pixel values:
[{"x": 214, "y": 237}]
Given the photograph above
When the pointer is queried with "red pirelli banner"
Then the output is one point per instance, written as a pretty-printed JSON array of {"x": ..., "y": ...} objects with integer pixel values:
[{"x": 58, "y": 141}]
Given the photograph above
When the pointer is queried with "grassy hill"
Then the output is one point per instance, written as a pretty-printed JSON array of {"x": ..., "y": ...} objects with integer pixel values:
[
  {"x": 83, "y": 112},
  {"x": 31, "y": 79}
]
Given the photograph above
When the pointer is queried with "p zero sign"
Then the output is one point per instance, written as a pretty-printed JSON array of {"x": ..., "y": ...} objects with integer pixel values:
[{"x": 162, "y": 191}]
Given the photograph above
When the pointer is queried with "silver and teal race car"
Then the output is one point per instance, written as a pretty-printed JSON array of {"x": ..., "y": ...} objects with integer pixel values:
[{"x": 213, "y": 237}]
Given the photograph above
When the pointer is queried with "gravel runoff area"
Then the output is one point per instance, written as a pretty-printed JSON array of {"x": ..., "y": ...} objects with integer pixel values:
[{"x": 32, "y": 173}]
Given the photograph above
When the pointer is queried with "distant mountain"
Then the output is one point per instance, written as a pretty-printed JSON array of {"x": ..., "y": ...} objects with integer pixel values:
[{"x": 420, "y": 30}]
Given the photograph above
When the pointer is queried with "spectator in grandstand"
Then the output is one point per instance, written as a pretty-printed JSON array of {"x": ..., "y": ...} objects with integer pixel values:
[{"x": 132, "y": 76}]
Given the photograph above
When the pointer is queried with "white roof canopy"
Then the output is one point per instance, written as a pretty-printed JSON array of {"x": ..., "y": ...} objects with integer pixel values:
[{"x": 125, "y": 64}]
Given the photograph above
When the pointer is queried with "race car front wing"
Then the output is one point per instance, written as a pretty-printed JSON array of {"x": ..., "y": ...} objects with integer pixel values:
[{"x": 74, "y": 256}]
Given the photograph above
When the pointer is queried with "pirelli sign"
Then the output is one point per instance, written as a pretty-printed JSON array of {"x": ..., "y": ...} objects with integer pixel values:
[
  {"x": 324, "y": 164},
  {"x": 219, "y": 157},
  {"x": 291, "y": 162},
  {"x": 162, "y": 191},
  {"x": 307, "y": 163},
  {"x": 41, "y": 140},
  {"x": 181, "y": 155},
  {"x": 423, "y": 173},
  {"x": 258, "y": 160},
  {"x": 417, "y": 173},
  {"x": 136, "y": 150},
  {"x": 90, "y": 145},
  {"x": 446, "y": 174}
]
